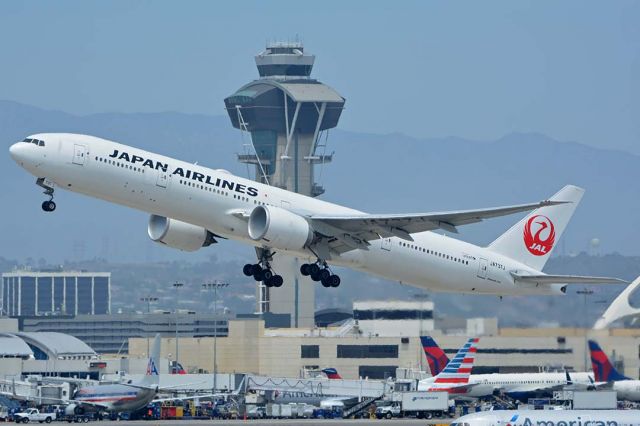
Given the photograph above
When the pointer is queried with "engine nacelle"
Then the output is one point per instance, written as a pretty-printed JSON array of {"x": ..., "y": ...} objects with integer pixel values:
[
  {"x": 280, "y": 228},
  {"x": 179, "y": 235}
]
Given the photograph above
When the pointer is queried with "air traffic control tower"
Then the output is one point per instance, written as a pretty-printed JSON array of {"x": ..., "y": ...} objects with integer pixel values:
[{"x": 286, "y": 113}]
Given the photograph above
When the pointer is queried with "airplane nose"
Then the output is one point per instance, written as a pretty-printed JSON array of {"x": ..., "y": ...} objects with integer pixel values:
[{"x": 17, "y": 151}]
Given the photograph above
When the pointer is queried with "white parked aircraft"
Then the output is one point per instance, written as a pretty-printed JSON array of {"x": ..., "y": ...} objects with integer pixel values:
[
  {"x": 516, "y": 385},
  {"x": 551, "y": 418},
  {"x": 191, "y": 206}
]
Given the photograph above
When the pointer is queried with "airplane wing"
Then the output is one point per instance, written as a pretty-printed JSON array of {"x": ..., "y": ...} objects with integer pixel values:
[
  {"x": 353, "y": 232},
  {"x": 564, "y": 279},
  {"x": 185, "y": 398}
]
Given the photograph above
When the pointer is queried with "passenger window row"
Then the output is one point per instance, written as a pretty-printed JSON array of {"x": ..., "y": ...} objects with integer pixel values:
[
  {"x": 34, "y": 141},
  {"x": 434, "y": 253},
  {"x": 119, "y": 164}
]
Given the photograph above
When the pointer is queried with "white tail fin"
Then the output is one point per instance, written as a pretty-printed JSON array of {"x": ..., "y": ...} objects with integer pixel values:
[
  {"x": 532, "y": 240},
  {"x": 152, "y": 377}
]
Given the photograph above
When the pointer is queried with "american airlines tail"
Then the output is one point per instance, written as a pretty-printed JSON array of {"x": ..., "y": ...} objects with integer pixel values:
[
  {"x": 436, "y": 357},
  {"x": 152, "y": 377},
  {"x": 603, "y": 370},
  {"x": 455, "y": 377},
  {"x": 532, "y": 240}
]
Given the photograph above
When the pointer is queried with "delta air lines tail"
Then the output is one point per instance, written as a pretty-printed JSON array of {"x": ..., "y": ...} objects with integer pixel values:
[
  {"x": 436, "y": 357},
  {"x": 332, "y": 374},
  {"x": 603, "y": 370}
]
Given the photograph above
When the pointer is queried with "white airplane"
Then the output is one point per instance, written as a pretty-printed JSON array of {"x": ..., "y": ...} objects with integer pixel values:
[
  {"x": 516, "y": 385},
  {"x": 130, "y": 396},
  {"x": 551, "y": 418},
  {"x": 626, "y": 388},
  {"x": 192, "y": 205}
]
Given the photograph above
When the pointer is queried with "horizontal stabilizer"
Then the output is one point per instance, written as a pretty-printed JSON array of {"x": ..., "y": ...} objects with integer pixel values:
[{"x": 565, "y": 279}]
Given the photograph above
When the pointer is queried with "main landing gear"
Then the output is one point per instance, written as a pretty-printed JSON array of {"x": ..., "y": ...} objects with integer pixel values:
[
  {"x": 262, "y": 271},
  {"x": 320, "y": 272},
  {"x": 47, "y": 206}
]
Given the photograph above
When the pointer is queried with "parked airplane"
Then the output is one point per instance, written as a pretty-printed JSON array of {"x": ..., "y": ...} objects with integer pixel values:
[
  {"x": 516, "y": 385},
  {"x": 191, "y": 206},
  {"x": 551, "y": 418},
  {"x": 627, "y": 389},
  {"x": 125, "y": 397},
  {"x": 454, "y": 379}
]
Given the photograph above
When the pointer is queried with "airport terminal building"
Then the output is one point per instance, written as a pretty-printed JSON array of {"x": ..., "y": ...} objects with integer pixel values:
[{"x": 40, "y": 293}]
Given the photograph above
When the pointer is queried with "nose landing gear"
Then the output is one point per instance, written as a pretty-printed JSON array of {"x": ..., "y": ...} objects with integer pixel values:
[
  {"x": 320, "y": 272},
  {"x": 47, "y": 206}
]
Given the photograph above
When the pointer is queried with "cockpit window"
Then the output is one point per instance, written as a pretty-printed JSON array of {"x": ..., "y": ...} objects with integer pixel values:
[{"x": 34, "y": 141}]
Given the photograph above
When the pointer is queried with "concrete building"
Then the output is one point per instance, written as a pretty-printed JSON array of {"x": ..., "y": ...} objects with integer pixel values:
[
  {"x": 110, "y": 334},
  {"x": 286, "y": 113},
  {"x": 39, "y": 293},
  {"x": 394, "y": 317},
  {"x": 251, "y": 348}
]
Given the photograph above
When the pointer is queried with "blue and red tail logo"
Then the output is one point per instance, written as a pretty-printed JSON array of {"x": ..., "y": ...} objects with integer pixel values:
[
  {"x": 513, "y": 420},
  {"x": 152, "y": 370},
  {"x": 603, "y": 370},
  {"x": 436, "y": 357},
  {"x": 331, "y": 373}
]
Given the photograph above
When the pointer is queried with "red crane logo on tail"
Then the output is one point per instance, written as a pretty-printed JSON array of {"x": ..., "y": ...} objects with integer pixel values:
[{"x": 541, "y": 242}]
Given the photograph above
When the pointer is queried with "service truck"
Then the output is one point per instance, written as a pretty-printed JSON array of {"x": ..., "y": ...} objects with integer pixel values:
[
  {"x": 34, "y": 415},
  {"x": 415, "y": 404}
]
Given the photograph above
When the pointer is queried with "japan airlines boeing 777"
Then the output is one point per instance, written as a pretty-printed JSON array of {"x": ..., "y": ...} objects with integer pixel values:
[{"x": 191, "y": 206}]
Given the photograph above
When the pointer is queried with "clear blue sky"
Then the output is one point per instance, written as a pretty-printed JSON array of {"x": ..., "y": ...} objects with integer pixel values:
[{"x": 476, "y": 69}]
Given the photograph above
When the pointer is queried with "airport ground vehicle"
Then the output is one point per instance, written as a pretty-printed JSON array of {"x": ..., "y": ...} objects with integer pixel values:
[
  {"x": 34, "y": 415},
  {"x": 418, "y": 404}
]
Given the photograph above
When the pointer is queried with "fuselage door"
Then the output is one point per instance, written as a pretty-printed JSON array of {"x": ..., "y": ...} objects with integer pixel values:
[
  {"x": 79, "y": 154},
  {"x": 385, "y": 244},
  {"x": 482, "y": 268},
  {"x": 163, "y": 178}
]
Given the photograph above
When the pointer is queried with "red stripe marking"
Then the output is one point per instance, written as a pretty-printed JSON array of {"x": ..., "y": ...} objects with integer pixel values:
[{"x": 452, "y": 380}]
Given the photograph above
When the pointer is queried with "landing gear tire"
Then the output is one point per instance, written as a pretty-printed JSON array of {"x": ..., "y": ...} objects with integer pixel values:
[
  {"x": 305, "y": 269},
  {"x": 324, "y": 274},
  {"x": 48, "y": 206},
  {"x": 334, "y": 280},
  {"x": 326, "y": 283},
  {"x": 274, "y": 281},
  {"x": 267, "y": 274},
  {"x": 258, "y": 275},
  {"x": 314, "y": 269},
  {"x": 315, "y": 276},
  {"x": 247, "y": 269}
]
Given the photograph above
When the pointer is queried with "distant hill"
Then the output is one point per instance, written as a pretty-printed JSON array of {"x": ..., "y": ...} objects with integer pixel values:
[{"x": 377, "y": 173}]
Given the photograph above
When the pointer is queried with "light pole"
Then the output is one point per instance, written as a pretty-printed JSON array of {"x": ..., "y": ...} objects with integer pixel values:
[
  {"x": 215, "y": 285},
  {"x": 149, "y": 300},
  {"x": 177, "y": 285},
  {"x": 585, "y": 292}
]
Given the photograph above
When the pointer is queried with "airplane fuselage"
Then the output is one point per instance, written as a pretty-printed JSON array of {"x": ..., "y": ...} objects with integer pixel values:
[
  {"x": 116, "y": 398},
  {"x": 221, "y": 202}
]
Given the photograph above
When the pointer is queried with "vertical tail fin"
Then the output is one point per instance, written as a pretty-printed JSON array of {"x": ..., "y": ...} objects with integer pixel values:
[
  {"x": 152, "y": 376},
  {"x": 603, "y": 370},
  {"x": 331, "y": 373},
  {"x": 532, "y": 240},
  {"x": 436, "y": 357},
  {"x": 456, "y": 374}
]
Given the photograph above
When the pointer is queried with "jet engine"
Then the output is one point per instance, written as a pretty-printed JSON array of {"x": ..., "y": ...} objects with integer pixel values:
[
  {"x": 179, "y": 235},
  {"x": 279, "y": 228}
]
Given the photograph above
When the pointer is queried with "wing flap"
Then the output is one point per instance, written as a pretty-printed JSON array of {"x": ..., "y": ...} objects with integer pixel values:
[{"x": 564, "y": 279}]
